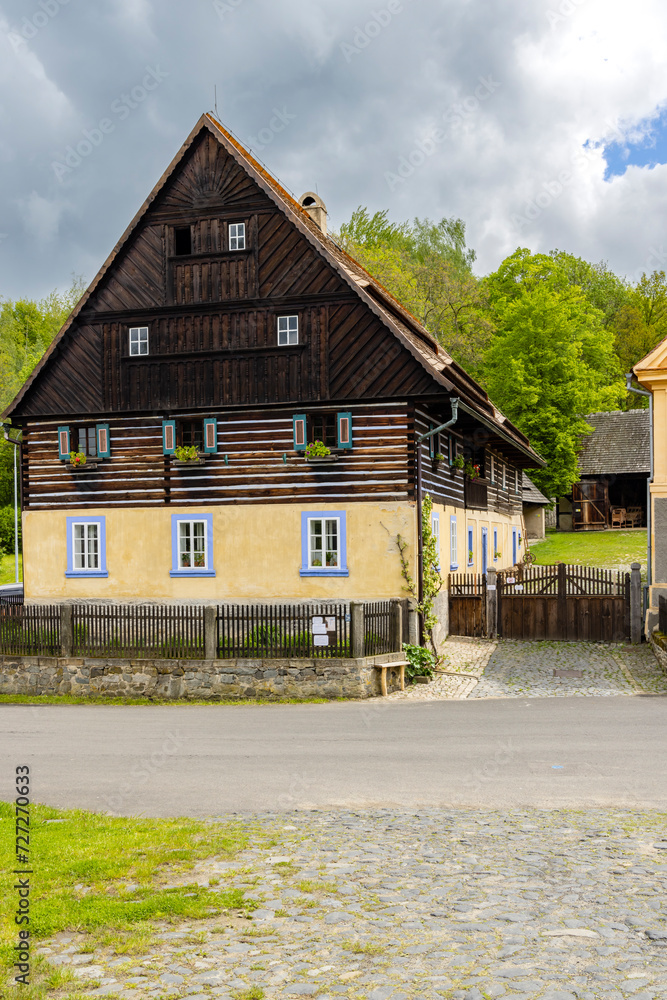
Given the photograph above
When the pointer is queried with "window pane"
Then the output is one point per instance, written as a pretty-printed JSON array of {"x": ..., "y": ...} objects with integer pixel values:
[
  {"x": 79, "y": 546},
  {"x": 185, "y": 545},
  {"x": 93, "y": 547},
  {"x": 316, "y": 531},
  {"x": 199, "y": 546},
  {"x": 332, "y": 542}
]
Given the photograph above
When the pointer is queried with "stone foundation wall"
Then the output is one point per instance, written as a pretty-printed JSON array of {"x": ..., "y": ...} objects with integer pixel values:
[
  {"x": 658, "y": 643},
  {"x": 202, "y": 679}
]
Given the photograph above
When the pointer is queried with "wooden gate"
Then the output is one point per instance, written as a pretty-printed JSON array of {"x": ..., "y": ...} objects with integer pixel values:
[
  {"x": 467, "y": 604},
  {"x": 577, "y": 603}
]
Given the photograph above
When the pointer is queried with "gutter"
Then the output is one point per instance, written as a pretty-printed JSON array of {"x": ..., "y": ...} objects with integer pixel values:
[
  {"x": 649, "y": 548},
  {"x": 420, "y": 540}
]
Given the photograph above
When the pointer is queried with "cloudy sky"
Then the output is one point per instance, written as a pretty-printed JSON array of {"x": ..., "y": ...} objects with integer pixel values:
[{"x": 540, "y": 123}]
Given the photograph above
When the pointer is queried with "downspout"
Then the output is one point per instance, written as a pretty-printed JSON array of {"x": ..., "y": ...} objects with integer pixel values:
[
  {"x": 649, "y": 553},
  {"x": 420, "y": 539}
]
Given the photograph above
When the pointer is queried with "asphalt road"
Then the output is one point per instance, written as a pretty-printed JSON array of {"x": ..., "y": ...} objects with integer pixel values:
[{"x": 206, "y": 760}]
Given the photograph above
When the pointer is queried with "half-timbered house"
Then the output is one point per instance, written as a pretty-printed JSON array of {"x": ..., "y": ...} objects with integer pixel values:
[{"x": 228, "y": 321}]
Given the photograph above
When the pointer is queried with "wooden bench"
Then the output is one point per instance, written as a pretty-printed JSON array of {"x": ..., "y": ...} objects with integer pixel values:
[{"x": 384, "y": 667}]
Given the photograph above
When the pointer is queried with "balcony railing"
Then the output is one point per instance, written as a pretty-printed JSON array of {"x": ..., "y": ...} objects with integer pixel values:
[{"x": 476, "y": 493}]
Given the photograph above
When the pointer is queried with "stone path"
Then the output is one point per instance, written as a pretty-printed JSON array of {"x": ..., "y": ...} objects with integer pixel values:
[
  {"x": 478, "y": 668},
  {"x": 434, "y": 904},
  {"x": 562, "y": 669}
]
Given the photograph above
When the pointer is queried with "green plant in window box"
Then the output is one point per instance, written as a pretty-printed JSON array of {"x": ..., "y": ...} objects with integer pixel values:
[
  {"x": 472, "y": 470},
  {"x": 470, "y": 556},
  {"x": 189, "y": 453},
  {"x": 77, "y": 459},
  {"x": 497, "y": 555},
  {"x": 332, "y": 559},
  {"x": 458, "y": 462},
  {"x": 438, "y": 457},
  {"x": 317, "y": 449},
  {"x": 317, "y": 562}
]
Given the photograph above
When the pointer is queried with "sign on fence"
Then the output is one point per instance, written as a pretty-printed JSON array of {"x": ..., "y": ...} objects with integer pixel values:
[{"x": 324, "y": 630}]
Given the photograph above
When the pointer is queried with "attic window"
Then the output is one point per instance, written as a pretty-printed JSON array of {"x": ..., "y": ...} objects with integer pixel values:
[
  {"x": 182, "y": 241},
  {"x": 237, "y": 236},
  {"x": 288, "y": 330},
  {"x": 138, "y": 340}
]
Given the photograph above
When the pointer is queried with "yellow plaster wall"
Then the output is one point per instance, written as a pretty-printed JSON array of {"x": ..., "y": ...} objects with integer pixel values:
[
  {"x": 256, "y": 554},
  {"x": 477, "y": 521}
]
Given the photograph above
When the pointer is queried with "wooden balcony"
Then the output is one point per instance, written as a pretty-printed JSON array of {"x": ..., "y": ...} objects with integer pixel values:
[{"x": 476, "y": 493}]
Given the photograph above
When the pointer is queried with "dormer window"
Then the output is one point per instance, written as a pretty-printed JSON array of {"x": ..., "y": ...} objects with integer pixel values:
[
  {"x": 288, "y": 330},
  {"x": 182, "y": 241},
  {"x": 237, "y": 236},
  {"x": 138, "y": 340}
]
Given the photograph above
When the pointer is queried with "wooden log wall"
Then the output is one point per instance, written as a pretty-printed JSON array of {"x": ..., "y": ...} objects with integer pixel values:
[{"x": 138, "y": 474}]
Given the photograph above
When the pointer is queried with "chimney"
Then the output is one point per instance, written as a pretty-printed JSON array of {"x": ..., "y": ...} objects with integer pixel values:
[{"x": 316, "y": 209}]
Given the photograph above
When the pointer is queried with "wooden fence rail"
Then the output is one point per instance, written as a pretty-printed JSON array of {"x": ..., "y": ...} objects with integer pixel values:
[
  {"x": 377, "y": 628},
  {"x": 141, "y": 631},
  {"x": 283, "y": 630}
]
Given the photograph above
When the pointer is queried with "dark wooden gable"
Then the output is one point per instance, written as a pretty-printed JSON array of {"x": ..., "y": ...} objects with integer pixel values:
[{"x": 212, "y": 313}]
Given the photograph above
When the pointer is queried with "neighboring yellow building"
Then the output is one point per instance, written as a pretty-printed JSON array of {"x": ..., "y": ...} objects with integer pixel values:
[{"x": 651, "y": 373}]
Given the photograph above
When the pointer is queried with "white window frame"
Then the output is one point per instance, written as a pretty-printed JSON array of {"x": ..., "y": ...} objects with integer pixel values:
[
  {"x": 288, "y": 331},
  {"x": 138, "y": 338},
  {"x": 324, "y": 535},
  {"x": 492, "y": 472},
  {"x": 516, "y": 481},
  {"x": 504, "y": 468},
  {"x": 237, "y": 236},
  {"x": 435, "y": 528},
  {"x": 87, "y": 556},
  {"x": 453, "y": 544},
  {"x": 190, "y": 523},
  {"x": 470, "y": 541}
]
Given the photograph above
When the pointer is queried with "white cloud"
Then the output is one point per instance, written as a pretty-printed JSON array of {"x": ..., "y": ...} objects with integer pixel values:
[{"x": 41, "y": 217}]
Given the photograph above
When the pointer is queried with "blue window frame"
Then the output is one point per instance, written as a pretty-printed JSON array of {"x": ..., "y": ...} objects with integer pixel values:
[
  {"x": 435, "y": 528},
  {"x": 323, "y": 543},
  {"x": 453, "y": 544},
  {"x": 514, "y": 546},
  {"x": 86, "y": 546},
  {"x": 471, "y": 551},
  {"x": 495, "y": 545},
  {"x": 192, "y": 545}
]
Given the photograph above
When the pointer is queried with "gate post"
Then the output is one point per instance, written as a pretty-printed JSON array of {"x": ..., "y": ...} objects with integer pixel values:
[
  {"x": 66, "y": 630},
  {"x": 491, "y": 604},
  {"x": 396, "y": 625},
  {"x": 635, "y": 604},
  {"x": 357, "y": 644},
  {"x": 211, "y": 633},
  {"x": 562, "y": 601}
]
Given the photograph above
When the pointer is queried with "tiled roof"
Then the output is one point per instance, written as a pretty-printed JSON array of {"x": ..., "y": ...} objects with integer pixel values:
[
  {"x": 620, "y": 444},
  {"x": 530, "y": 492}
]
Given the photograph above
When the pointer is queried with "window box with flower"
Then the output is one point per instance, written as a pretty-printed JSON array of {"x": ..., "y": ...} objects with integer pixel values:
[
  {"x": 317, "y": 452},
  {"x": 188, "y": 455},
  {"x": 78, "y": 461}
]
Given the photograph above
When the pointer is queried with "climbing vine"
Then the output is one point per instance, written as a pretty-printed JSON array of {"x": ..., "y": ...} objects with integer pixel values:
[{"x": 431, "y": 579}]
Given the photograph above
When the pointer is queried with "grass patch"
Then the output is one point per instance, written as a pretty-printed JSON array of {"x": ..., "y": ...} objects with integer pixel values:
[
  {"x": 67, "y": 699},
  {"x": 364, "y": 947},
  {"x": 607, "y": 549},
  {"x": 7, "y": 574},
  {"x": 109, "y": 878}
]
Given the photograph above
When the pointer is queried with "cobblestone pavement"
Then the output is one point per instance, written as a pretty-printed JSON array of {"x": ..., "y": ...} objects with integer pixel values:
[
  {"x": 562, "y": 669},
  {"x": 478, "y": 668},
  {"x": 541, "y": 905}
]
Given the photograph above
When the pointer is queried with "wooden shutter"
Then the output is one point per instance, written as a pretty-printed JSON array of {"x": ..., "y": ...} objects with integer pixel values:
[
  {"x": 210, "y": 435},
  {"x": 168, "y": 437},
  {"x": 63, "y": 443},
  {"x": 103, "y": 441},
  {"x": 300, "y": 434},
  {"x": 431, "y": 443},
  {"x": 344, "y": 425}
]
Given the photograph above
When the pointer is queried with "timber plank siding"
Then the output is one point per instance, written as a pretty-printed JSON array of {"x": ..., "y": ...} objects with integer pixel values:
[{"x": 138, "y": 474}]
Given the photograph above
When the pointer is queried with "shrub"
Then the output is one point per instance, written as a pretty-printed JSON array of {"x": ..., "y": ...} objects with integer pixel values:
[
  {"x": 7, "y": 529},
  {"x": 421, "y": 661}
]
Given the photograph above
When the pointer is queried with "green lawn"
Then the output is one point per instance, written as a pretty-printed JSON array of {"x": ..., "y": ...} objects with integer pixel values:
[
  {"x": 112, "y": 879},
  {"x": 7, "y": 574},
  {"x": 607, "y": 549}
]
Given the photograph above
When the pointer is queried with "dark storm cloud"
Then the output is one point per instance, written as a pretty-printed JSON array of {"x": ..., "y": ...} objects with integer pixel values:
[{"x": 472, "y": 108}]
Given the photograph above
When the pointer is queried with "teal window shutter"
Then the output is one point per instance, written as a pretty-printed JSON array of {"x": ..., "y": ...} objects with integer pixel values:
[
  {"x": 63, "y": 443},
  {"x": 344, "y": 425},
  {"x": 168, "y": 437},
  {"x": 300, "y": 434},
  {"x": 431, "y": 442},
  {"x": 103, "y": 441},
  {"x": 210, "y": 435}
]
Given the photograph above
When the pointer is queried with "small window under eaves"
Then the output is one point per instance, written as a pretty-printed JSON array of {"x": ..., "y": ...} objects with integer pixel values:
[{"x": 182, "y": 241}]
